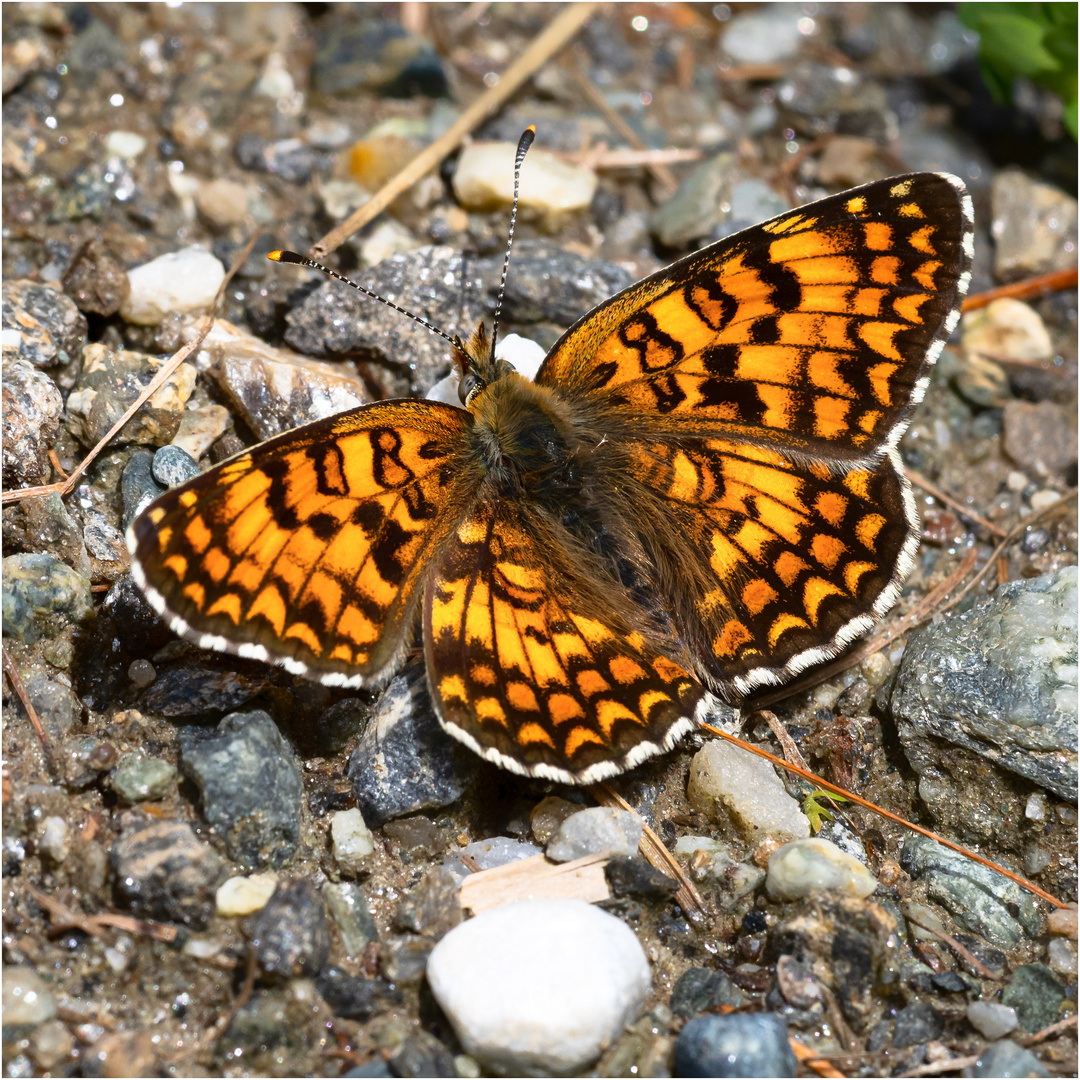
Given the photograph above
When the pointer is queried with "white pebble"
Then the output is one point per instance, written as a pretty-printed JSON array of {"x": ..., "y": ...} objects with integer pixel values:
[
  {"x": 798, "y": 868},
  {"x": 1040, "y": 500},
  {"x": 243, "y": 895},
  {"x": 185, "y": 280},
  {"x": 27, "y": 997},
  {"x": 1037, "y": 807},
  {"x": 1061, "y": 957},
  {"x": 351, "y": 839},
  {"x": 54, "y": 839},
  {"x": 539, "y": 987},
  {"x": 748, "y": 788},
  {"x": 124, "y": 144},
  {"x": 596, "y": 829},
  {"x": 991, "y": 1020}
]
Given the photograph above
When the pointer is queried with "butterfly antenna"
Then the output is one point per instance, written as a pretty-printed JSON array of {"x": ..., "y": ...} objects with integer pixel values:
[
  {"x": 523, "y": 145},
  {"x": 301, "y": 260}
]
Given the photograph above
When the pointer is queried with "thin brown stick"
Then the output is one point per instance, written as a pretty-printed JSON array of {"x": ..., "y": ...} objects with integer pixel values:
[
  {"x": 19, "y": 687},
  {"x": 812, "y": 1061},
  {"x": 554, "y": 36},
  {"x": 1027, "y": 289},
  {"x": 65, "y": 486},
  {"x": 1048, "y": 1032},
  {"x": 936, "y": 1068},
  {"x": 654, "y": 851},
  {"x": 620, "y": 158},
  {"x": 222, "y": 1025},
  {"x": 787, "y": 743},
  {"x": 944, "y": 497},
  {"x": 140, "y": 927},
  {"x": 661, "y": 173},
  {"x": 63, "y": 918},
  {"x": 888, "y": 814},
  {"x": 921, "y": 611},
  {"x": 56, "y": 464},
  {"x": 966, "y": 955}
]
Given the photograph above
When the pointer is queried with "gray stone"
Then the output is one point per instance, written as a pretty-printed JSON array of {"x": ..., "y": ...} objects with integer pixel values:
[
  {"x": 347, "y": 905},
  {"x": 495, "y": 851},
  {"x": 163, "y": 871},
  {"x": 700, "y": 990},
  {"x": 764, "y": 36},
  {"x": 138, "y": 488},
  {"x": 250, "y": 784},
  {"x": 380, "y": 56},
  {"x": 1035, "y": 995},
  {"x": 432, "y": 908},
  {"x": 404, "y": 761},
  {"x": 289, "y": 934},
  {"x": 32, "y": 406},
  {"x": 46, "y": 525},
  {"x": 917, "y": 1023},
  {"x": 992, "y": 1020},
  {"x": 1039, "y": 437},
  {"x": 1005, "y": 1060},
  {"x": 140, "y": 778},
  {"x": 173, "y": 466},
  {"x": 697, "y": 207},
  {"x": 54, "y": 701},
  {"x": 353, "y": 996},
  {"x": 1033, "y": 226},
  {"x": 979, "y": 898},
  {"x": 185, "y": 692},
  {"x": 999, "y": 680},
  {"x": 53, "y": 331},
  {"x": 633, "y": 876},
  {"x": 748, "y": 1044},
  {"x": 42, "y": 596},
  {"x": 596, "y": 829}
]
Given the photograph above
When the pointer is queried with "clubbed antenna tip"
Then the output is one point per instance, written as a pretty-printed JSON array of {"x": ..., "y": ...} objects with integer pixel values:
[{"x": 523, "y": 145}]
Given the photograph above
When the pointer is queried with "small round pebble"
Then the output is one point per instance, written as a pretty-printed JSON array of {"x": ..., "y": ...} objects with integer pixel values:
[
  {"x": 540, "y": 986},
  {"x": 142, "y": 673},
  {"x": 1062, "y": 922},
  {"x": 742, "y": 1044},
  {"x": 798, "y": 868},
  {"x": 351, "y": 839},
  {"x": 54, "y": 839},
  {"x": 991, "y": 1020},
  {"x": 180, "y": 281},
  {"x": 245, "y": 895},
  {"x": 599, "y": 828},
  {"x": 141, "y": 779},
  {"x": 173, "y": 466},
  {"x": 26, "y": 997}
]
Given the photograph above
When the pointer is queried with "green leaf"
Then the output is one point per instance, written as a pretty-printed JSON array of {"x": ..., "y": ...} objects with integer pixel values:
[
  {"x": 815, "y": 812},
  {"x": 1014, "y": 44}
]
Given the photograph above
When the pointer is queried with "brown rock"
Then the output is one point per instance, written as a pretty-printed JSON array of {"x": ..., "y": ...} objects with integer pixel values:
[{"x": 1039, "y": 437}]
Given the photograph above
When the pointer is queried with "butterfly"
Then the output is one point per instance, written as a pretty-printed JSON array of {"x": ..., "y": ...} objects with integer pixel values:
[{"x": 699, "y": 494}]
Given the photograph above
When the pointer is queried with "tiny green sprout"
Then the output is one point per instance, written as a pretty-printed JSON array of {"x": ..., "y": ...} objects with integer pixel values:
[{"x": 816, "y": 812}]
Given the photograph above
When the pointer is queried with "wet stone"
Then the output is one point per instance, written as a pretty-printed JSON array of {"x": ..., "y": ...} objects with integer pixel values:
[
  {"x": 250, "y": 786},
  {"x": 173, "y": 466},
  {"x": 999, "y": 679},
  {"x": 404, "y": 761},
  {"x": 596, "y": 829},
  {"x": 353, "y": 996},
  {"x": 289, "y": 934},
  {"x": 163, "y": 871},
  {"x": 1035, "y": 995},
  {"x": 979, "y": 898},
  {"x": 53, "y": 332},
  {"x": 635, "y": 877},
  {"x": 32, "y": 406},
  {"x": 700, "y": 990},
  {"x": 1005, "y": 1058},
  {"x": 109, "y": 383},
  {"x": 748, "y": 1044},
  {"x": 142, "y": 673},
  {"x": 42, "y": 596},
  {"x": 347, "y": 905},
  {"x": 140, "y": 778},
  {"x": 138, "y": 488},
  {"x": 188, "y": 692}
]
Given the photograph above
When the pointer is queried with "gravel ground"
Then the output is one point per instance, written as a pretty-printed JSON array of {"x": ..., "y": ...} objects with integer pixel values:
[{"x": 222, "y": 869}]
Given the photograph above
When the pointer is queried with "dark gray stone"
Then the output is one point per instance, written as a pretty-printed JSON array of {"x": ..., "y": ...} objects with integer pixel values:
[
  {"x": 697, "y": 207},
  {"x": 1035, "y": 995},
  {"x": 45, "y": 525},
  {"x": 699, "y": 989},
  {"x": 138, "y": 488},
  {"x": 163, "y": 871},
  {"x": 999, "y": 680},
  {"x": 747, "y": 1044},
  {"x": 404, "y": 761},
  {"x": 173, "y": 466},
  {"x": 1004, "y": 1059},
  {"x": 289, "y": 934},
  {"x": 632, "y": 876},
  {"x": 380, "y": 56},
  {"x": 431, "y": 908},
  {"x": 917, "y": 1023},
  {"x": 42, "y": 597},
  {"x": 420, "y": 1055},
  {"x": 250, "y": 785},
  {"x": 186, "y": 692},
  {"x": 353, "y": 996},
  {"x": 53, "y": 330},
  {"x": 290, "y": 159}
]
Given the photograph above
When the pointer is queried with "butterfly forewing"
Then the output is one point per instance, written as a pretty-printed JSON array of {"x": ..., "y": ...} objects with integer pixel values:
[
  {"x": 310, "y": 549},
  {"x": 815, "y": 330}
]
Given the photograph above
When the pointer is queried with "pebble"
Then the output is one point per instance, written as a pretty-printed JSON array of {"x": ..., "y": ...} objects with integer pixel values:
[
  {"x": 1061, "y": 957},
  {"x": 140, "y": 778},
  {"x": 1033, "y": 226},
  {"x": 999, "y": 679},
  {"x": 181, "y": 281},
  {"x": 700, "y": 990},
  {"x": 351, "y": 840},
  {"x": 1007, "y": 329},
  {"x": 1062, "y": 921},
  {"x": 249, "y": 784},
  {"x": 52, "y": 331},
  {"x": 97, "y": 281},
  {"x": 291, "y": 159},
  {"x": 347, "y": 905},
  {"x": 276, "y": 390},
  {"x": 980, "y": 898},
  {"x": 46, "y": 525},
  {"x": 746, "y": 1044},
  {"x": 495, "y": 851},
  {"x": 55, "y": 703},
  {"x": 27, "y": 998},
  {"x": 596, "y": 829},
  {"x": 548, "y": 814},
  {"x": 32, "y": 407},
  {"x": 41, "y": 597},
  {"x": 108, "y": 384},
  {"x": 404, "y": 761},
  {"x": 798, "y": 868},
  {"x": 550, "y": 187},
  {"x": 1038, "y": 437},
  {"x": 222, "y": 202},
  {"x": 142, "y": 673},
  {"x": 762, "y": 37},
  {"x": 385, "y": 239},
  {"x": 289, "y": 934},
  {"x": 404, "y": 959},
  {"x": 200, "y": 429},
  {"x": 164, "y": 871},
  {"x": 53, "y": 842},
  {"x": 698, "y": 206},
  {"x": 1036, "y": 996},
  {"x": 173, "y": 466},
  {"x": 50, "y": 1044},
  {"x": 416, "y": 836},
  {"x": 354, "y": 997},
  {"x": 191, "y": 691},
  {"x": 917, "y": 1023},
  {"x": 635, "y": 877},
  {"x": 580, "y": 976},
  {"x": 723, "y": 775},
  {"x": 420, "y": 1055},
  {"x": 378, "y": 55},
  {"x": 432, "y": 908},
  {"x": 244, "y": 895},
  {"x": 1005, "y": 1059},
  {"x": 991, "y": 1020},
  {"x": 138, "y": 488},
  {"x": 124, "y": 144},
  {"x": 121, "y": 1054}
]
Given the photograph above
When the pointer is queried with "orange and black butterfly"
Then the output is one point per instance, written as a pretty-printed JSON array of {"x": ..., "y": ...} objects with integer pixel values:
[{"x": 699, "y": 493}]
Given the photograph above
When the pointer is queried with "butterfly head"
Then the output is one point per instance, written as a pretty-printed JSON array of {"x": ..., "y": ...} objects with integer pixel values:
[{"x": 477, "y": 365}]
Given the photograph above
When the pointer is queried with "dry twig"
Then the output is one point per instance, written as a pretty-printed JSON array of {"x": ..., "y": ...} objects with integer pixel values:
[
  {"x": 966, "y": 955},
  {"x": 945, "y": 498},
  {"x": 808, "y": 1058},
  {"x": 1028, "y": 289}
]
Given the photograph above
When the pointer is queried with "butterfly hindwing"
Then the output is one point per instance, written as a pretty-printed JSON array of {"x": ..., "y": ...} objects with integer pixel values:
[
  {"x": 816, "y": 329},
  {"x": 310, "y": 549}
]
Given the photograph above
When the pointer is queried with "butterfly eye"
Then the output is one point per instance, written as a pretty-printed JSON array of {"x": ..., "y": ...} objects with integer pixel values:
[{"x": 469, "y": 387}]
